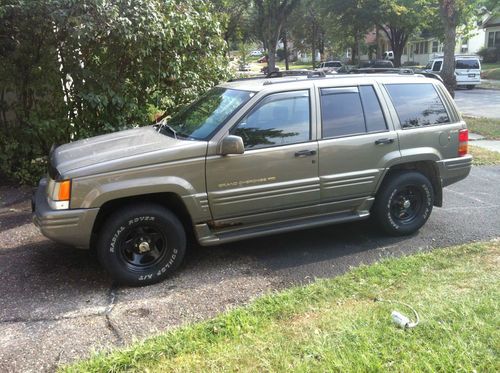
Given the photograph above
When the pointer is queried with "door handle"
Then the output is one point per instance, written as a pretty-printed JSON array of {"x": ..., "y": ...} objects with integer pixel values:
[
  {"x": 305, "y": 153},
  {"x": 384, "y": 141}
]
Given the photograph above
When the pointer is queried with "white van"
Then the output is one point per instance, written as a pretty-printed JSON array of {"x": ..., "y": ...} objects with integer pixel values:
[{"x": 467, "y": 69}]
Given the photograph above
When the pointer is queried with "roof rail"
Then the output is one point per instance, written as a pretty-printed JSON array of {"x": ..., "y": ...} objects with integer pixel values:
[{"x": 382, "y": 70}]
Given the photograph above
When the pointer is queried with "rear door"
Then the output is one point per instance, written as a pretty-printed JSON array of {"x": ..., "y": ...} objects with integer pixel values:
[
  {"x": 468, "y": 71},
  {"x": 356, "y": 142}
]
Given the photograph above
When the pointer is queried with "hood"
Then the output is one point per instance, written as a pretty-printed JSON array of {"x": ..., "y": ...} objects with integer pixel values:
[{"x": 119, "y": 150}]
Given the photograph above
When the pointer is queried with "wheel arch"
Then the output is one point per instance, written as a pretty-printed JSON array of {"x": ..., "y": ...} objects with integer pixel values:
[
  {"x": 168, "y": 200},
  {"x": 428, "y": 168}
]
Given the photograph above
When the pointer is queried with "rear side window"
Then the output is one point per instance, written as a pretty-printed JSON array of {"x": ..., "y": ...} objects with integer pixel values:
[
  {"x": 467, "y": 64},
  {"x": 417, "y": 105},
  {"x": 350, "y": 111}
]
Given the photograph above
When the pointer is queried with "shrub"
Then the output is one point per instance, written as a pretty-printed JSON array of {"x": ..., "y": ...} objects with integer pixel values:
[
  {"x": 71, "y": 69},
  {"x": 489, "y": 55}
]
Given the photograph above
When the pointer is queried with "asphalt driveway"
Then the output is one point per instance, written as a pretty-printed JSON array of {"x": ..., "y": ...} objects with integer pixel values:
[
  {"x": 478, "y": 102},
  {"x": 57, "y": 304}
]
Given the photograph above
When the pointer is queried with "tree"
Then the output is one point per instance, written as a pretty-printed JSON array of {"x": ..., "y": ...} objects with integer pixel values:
[
  {"x": 234, "y": 17},
  {"x": 71, "y": 69},
  {"x": 449, "y": 16},
  {"x": 271, "y": 15},
  {"x": 400, "y": 19},
  {"x": 349, "y": 21}
]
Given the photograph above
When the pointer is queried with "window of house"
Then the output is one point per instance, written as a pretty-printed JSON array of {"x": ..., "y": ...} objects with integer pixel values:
[
  {"x": 421, "y": 47},
  {"x": 350, "y": 111},
  {"x": 493, "y": 39},
  {"x": 435, "y": 46},
  {"x": 279, "y": 119},
  {"x": 417, "y": 105}
]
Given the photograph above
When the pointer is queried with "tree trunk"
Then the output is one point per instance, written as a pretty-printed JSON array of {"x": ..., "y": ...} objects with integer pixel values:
[
  {"x": 313, "y": 46},
  {"x": 285, "y": 49},
  {"x": 448, "y": 13},
  {"x": 271, "y": 59},
  {"x": 354, "y": 50}
]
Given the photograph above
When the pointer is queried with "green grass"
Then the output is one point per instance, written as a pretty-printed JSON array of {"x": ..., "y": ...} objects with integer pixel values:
[
  {"x": 484, "y": 157},
  {"x": 490, "y": 71},
  {"x": 295, "y": 65},
  {"x": 335, "y": 325},
  {"x": 487, "y": 127}
]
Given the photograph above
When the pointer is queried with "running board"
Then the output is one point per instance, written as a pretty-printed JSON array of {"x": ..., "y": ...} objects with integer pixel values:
[{"x": 206, "y": 237}]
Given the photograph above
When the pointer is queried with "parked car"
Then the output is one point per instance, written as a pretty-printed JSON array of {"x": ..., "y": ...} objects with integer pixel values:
[
  {"x": 376, "y": 64},
  {"x": 467, "y": 70},
  {"x": 255, "y": 157},
  {"x": 388, "y": 55},
  {"x": 329, "y": 66},
  {"x": 244, "y": 67},
  {"x": 256, "y": 53}
]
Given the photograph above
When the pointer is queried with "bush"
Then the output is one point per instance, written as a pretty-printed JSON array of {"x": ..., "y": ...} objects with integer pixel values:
[
  {"x": 71, "y": 69},
  {"x": 410, "y": 63},
  {"x": 489, "y": 55}
]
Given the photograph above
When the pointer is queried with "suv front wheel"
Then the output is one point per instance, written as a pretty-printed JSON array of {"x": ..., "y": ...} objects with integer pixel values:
[
  {"x": 404, "y": 203},
  {"x": 141, "y": 244}
]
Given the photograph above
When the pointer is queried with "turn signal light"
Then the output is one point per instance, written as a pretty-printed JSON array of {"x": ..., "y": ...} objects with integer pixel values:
[
  {"x": 463, "y": 141},
  {"x": 64, "y": 192}
]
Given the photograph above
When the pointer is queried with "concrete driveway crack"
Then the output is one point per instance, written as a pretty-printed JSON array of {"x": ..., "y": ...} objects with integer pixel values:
[{"x": 110, "y": 324}]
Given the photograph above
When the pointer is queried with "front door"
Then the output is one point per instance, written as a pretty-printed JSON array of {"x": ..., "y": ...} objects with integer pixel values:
[{"x": 279, "y": 169}]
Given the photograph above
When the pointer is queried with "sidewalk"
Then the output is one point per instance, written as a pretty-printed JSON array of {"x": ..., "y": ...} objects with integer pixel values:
[
  {"x": 481, "y": 142},
  {"x": 489, "y": 84}
]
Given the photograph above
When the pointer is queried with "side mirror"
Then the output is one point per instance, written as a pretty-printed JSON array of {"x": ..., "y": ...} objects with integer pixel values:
[{"x": 232, "y": 145}]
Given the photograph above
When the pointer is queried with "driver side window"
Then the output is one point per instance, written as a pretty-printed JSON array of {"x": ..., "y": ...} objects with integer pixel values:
[{"x": 278, "y": 119}]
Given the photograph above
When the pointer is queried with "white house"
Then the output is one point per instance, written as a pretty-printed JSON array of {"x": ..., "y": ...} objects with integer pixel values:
[{"x": 491, "y": 27}]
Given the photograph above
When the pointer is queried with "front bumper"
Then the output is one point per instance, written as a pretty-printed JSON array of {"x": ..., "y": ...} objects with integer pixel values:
[
  {"x": 70, "y": 227},
  {"x": 455, "y": 169}
]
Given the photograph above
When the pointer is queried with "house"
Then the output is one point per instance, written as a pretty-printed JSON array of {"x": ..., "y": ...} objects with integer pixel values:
[
  {"x": 491, "y": 27},
  {"x": 426, "y": 46}
]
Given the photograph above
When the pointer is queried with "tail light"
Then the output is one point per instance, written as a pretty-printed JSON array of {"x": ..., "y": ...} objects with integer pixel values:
[{"x": 463, "y": 141}]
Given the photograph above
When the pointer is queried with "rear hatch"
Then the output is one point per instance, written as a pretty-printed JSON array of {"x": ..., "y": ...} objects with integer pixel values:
[{"x": 468, "y": 70}]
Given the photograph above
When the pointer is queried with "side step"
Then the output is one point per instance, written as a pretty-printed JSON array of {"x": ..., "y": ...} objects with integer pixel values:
[{"x": 207, "y": 237}]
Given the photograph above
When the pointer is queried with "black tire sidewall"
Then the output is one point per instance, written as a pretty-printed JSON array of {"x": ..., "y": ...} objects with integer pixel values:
[
  {"x": 120, "y": 222},
  {"x": 383, "y": 202}
]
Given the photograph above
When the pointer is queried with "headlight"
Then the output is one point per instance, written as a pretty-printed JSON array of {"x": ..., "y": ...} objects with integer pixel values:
[{"x": 59, "y": 194}]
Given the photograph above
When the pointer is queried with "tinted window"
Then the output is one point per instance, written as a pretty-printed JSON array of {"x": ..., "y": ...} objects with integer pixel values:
[
  {"x": 417, "y": 105},
  {"x": 333, "y": 64},
  {"x": 279, "y": 119},
  {"x": 467, "y": 64},
  {"x": 350, "y": 111},
  {"x": 437, "y": 66},
  {"x": 375, "y": 120},
  {"x": 341, "y": 112}
]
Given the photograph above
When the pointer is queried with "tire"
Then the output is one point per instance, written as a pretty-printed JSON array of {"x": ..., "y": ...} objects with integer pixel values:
[
  {"x": 403, "y": 203},
  {"x": 141, "y": 244},
  {"x": 470, "y": 87}
]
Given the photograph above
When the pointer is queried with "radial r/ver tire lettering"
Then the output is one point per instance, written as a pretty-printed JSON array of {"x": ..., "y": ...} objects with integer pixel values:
[
  {"x": 403, "y": 203},
  {"x": 141, "y": 244}
]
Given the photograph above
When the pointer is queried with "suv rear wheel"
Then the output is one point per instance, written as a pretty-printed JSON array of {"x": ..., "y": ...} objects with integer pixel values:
[
  {"x": 141, "y": 244},
  {"x": 404, "y": 203}
]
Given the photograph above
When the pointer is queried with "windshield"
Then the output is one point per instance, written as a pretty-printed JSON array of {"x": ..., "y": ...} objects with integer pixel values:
[{"x": 200, "y": 119}]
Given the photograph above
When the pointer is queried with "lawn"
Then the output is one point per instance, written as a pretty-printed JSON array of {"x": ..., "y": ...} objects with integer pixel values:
[
  {"x": 484, "y": 157},
  {"x": 490, "y": 71},
  {"x": 487, "y": 127},
  {"x": 336, "y": 324}
]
